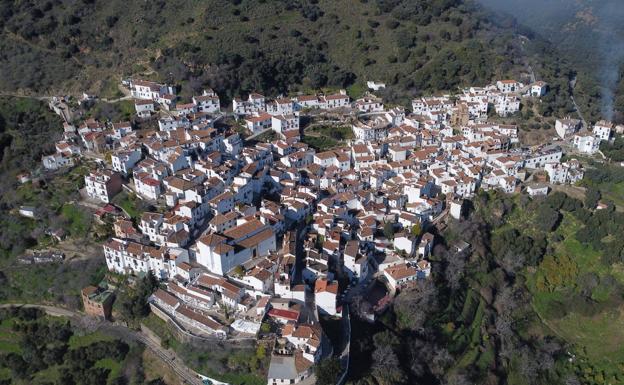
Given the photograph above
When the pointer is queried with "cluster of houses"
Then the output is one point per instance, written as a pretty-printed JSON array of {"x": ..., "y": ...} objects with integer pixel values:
[
  {"x": 583, "y": 140},
  {"x": 230, "y": 215}
]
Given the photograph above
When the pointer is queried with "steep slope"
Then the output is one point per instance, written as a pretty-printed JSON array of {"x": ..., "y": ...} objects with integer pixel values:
[
  {"x": 589, "y": 33},
  {"x": 242, "y": 45}
]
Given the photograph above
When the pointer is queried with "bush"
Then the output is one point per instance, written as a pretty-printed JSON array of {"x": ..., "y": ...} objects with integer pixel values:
[
  {"x": 373, "y": 23},
  {"x": 592, "y": 196},
  {"x": 555, "y": 272},
  {"x": 388, "y": 230},
  {"x": 392, "y": 24}
]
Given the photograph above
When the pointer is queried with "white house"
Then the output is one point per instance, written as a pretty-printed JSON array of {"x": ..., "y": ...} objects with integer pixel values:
[
  {"x": 355, "y": 262},
  {"x": 566, "y": 172},
  {"x": 586, "y": 142},
  {"x": 56, "y": 161},
  {"x": 146, "y": 186},
  {"x": 567, "y": 127},
  {"x": 102, "y": 185},
  {"x": 128, "y": 257},
  {"x": 369, "y": 104},
  {"x": 258, "y": 122},
  {"x": 537, "y": 189},
  {"x": 603, "y": 130},
  {"x": 508, "y": 86},
  {"x": 124, "y": 161},
  {"x": 254, "y": 103},
  {"x": 27, "y": 211},
  {"x": 404, "y": 242},
  {"x": 456, "y": 209},
  {"x": 325, "y": 294},
  {"x": 222, "y": 252},
  {"x": 539, "y": 89},
  {"x": 373, "y": 130},
  {"x": 507, "y": 105},
  {"x": 400, "y": 275},
  {"x": 334, "y": 101},
  {"x": 142, "y": 89},
  {"x": 185, "y": 109},
  {"x": 283, "y": 123},
  {"x": 281, "y": 106},
  {"x": 144, "y": 107},
  {"x": 207, "y": 102},
  {"x": 306, "y": 101},
  {"x": 375, "y": 86},
  {"x": 548, "y": 154}
]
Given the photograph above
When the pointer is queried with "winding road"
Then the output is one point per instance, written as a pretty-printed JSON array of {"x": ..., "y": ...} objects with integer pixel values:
[{"x": 186, "y": 375}]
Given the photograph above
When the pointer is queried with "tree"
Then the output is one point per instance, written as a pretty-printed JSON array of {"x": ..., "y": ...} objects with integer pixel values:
[
  {"x": 386, "y": 366},
  {"x": 239, "y": 271},
  {"x": 556, "y": 272},
  {"x": 327, "y": 371},
  {"x": 261, "y": 352},
  {"x": 388, "y": 230},
  {"x": 134, "y": 300},
  {"x": 592, "y": 196},
  {"x": 455, "y": 270},
  {"x": 416, "y": 230},
  {"x": 157, "y": 381},
  {"x": 412, "y": 307},
  {"x": 549, "y": 219},
  {"x": 265, "y": 327}
]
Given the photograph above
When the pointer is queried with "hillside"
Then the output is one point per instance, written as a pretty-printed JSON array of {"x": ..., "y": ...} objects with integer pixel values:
[
  {"x": 589, "y": 33},
  {"x": 242, "y": 45}
]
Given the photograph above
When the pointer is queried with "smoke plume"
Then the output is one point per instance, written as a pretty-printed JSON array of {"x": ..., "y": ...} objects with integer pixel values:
[
  {"x": 590, "y": 30},
  {"x": 611, "y": 51}
]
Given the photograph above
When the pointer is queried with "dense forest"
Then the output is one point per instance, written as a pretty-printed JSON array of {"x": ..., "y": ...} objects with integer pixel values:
[
  {"x": 37, "y": 349},
  {"x": 242, "y": 45}
]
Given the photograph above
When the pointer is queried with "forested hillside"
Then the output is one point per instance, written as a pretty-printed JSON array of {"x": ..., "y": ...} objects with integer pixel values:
[
  {"x": 537, "y": 299},
  {"x": 590, "y": 35},
  {"x": 241, "y": 45}
]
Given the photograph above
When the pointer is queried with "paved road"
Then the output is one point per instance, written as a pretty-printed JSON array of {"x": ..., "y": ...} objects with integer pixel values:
[{"x": 187, "y": 375}]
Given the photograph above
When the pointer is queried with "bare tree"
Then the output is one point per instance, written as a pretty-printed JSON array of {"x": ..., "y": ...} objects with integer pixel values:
[
  {"x": 455, "y": 270},
  {"x": 413, "y": 306},
  {"x": 386, "y": 366}
]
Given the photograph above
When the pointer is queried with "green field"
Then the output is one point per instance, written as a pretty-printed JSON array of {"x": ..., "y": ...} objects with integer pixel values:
[
  {"x": 80, "y": 340},
  {"x": 130, "y": 203},
  {"x": 323, "y": 138},
  {"x": 9, "y": 340},
  {"x": 321, "y": 143},
  {"x": 597, "y": 338}
]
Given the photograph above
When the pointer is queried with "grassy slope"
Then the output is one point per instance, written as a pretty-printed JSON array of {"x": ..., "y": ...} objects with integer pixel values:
[
  {"x": 211, "y": 361},
  {"x": 598, "y": 337}
]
